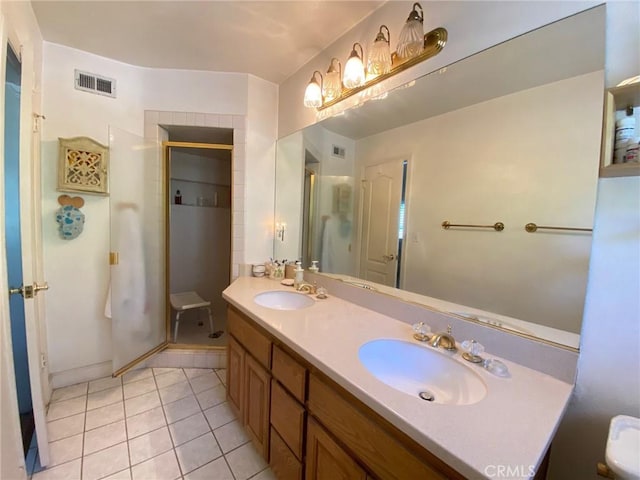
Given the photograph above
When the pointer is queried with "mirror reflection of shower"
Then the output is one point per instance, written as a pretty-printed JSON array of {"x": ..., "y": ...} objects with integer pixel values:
[
  {"x": 311, "y": 170},
  {"x": 199, "y": 198}
]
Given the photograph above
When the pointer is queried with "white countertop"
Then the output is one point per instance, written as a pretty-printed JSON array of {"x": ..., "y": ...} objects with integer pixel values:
[{"x": 510, "y": 428}]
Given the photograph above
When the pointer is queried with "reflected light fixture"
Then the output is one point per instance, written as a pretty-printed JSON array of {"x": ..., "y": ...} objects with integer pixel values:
[
  {"x": 313, "y": 93},
  {"x": 354, "y": 68},
  {"x": 281, "y": 228},
  {"x": 379, "y": 61},
  {"x": 332, "y": 87},
  {"x": 411, "y": 39}
]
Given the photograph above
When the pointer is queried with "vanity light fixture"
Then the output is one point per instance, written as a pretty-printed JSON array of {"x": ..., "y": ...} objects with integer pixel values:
[
  {"x": 332, "y": 87},
  {"x": 354, "y": 68},
  {"x": 379, "y": 61},
  {"x": 414, "y": 47},
  {"x": 411, "y": 39},
  {"x": 313, "y": 93}
]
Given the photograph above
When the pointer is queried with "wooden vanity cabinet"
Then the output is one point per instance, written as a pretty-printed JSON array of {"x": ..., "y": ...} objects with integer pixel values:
[
  {"x": 288, "y": 415},
  {"x": 308, "y": 427},
  {"x": 326, "y": 460},
  {"x": 249, "y": 379}
]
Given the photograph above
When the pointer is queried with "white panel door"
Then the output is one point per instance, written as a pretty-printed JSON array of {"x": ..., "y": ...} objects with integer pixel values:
[{"x": 381, "y": 196}]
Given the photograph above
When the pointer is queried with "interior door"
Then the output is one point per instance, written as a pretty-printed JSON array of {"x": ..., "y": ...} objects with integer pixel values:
[
  {"x": 22, "y": 262},
  {"x": 381, "y": 196},
  {"x": 138, "y": 253}
]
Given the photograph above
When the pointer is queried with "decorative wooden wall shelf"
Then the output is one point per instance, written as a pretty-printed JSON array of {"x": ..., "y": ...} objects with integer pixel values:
[{"x": 82, "y": 166}]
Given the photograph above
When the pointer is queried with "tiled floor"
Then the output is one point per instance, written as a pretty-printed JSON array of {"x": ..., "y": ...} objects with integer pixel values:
[{"x": 151, "y": 424}]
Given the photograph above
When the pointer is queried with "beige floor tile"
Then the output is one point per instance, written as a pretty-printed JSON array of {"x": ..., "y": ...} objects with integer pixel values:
[
  {"x": 65, "y": 427},
  {"x": 133, "y": 389},
  {"x": 66, "y": 471},
  {"x": 197, "y": 452},
  {"x": 104, "y": 384},
  {"x": 222, "y": 375},
  {"x": 145, "y": 422},
  {"x": 216, "y": 470},
  {"x": 122, "y": 475},
  {"x": 211, "y": 397},
  {"x": 266, "y": 474},
  {"x": 105, "y": 397},
  {"x": 189, "y": 428},
  {"x": 149, "y": 445},
  {"x": 135, "y": 375},
  {"x": 196, "y": 372},
  {"x": 104, "y": 415},
  {"x": 175, "y": 392},
  {"x": 162, "y": 467},
  {"x": 104, "y": 437},
  {"x": 204, "y": 382},
  {"x": 230, "y": 436},
  {"x": 219, "y": 415},
  {"x": 163, "y": 370},
  {"x": 65, "y": 450},
  {"x": 72, "y": 391},
  {"x": 183, "y": 408},
  {"x": 66, "y": 408},
  {"x": 105, "y": 462},
  {"x": 245, "y": 461},
  {"x": 170, "y": 378},
  {"x": 142, "y": 403}
]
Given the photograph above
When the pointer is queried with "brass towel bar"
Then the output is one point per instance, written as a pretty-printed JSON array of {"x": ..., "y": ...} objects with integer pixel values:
[
  {"x": 498, "y": 226},
  {"x": 532, "y": 227}
]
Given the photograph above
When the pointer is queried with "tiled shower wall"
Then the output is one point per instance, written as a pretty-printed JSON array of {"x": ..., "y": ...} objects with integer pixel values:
[{"x": 152, "y": 121}]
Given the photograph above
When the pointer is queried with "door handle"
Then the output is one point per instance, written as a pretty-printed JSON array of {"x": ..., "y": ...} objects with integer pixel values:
[
  {"x": 29, "y": 291},
  {"x": 389, "y": 258}
]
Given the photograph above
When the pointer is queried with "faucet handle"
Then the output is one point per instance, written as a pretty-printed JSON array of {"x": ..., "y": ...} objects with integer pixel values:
[
  {"x": 472, "y": 351},
  {"x": 422, "y": 331}
]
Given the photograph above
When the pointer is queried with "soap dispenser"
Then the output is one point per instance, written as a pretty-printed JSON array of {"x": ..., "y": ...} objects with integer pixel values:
[{"x": 299, "y": 275}]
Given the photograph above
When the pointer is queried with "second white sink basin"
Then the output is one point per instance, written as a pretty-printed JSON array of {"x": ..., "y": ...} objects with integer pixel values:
[
  {"x": 422, "y": 372},
  {"x": 283, "y": 300}
]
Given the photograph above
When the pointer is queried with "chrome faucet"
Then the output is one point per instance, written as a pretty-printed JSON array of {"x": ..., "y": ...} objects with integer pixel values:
[
  {"x": 306, "y": 288},
  {"x": 444, "y": 340}
]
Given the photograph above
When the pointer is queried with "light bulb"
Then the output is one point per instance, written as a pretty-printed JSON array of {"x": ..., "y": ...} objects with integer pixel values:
[
  {"x": 354, "y": 69},
  {"x": 379, "y": 61},
  {"x": 313, "y": 93},
  {"x": 411, "y": 38}
]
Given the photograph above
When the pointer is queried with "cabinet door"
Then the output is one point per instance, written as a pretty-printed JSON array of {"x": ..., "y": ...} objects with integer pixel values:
[
  {"x": 235, "y": 377},
  {"x": 326, "y": 460},
  {"x": 256, "y": 406}
]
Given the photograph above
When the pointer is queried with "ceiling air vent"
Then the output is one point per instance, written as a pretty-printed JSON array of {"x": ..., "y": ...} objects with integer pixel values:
[{"x": 90, "y": 82}]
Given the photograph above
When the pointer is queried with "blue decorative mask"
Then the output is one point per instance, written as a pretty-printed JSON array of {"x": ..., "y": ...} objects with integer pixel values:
[{"x": 71, "y": 221}]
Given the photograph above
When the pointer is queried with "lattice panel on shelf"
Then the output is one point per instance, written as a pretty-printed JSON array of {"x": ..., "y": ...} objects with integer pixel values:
[{"x": 83, "y": 166}]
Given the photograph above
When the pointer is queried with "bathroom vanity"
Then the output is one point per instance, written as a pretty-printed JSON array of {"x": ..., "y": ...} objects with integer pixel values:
[{"x": 314, "y": 411}]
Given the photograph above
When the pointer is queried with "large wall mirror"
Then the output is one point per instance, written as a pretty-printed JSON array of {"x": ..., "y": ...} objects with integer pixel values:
[{"x": 510, "y": 135}]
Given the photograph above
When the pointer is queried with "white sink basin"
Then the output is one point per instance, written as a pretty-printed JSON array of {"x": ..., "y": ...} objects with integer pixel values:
[
  {"x": 283, "y": 300},
  {"x": 416, "y": 369},
  {"x": 623, "y": 445}
]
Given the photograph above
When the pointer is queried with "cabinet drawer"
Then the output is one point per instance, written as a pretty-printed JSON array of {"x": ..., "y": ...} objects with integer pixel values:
[
  {"x": 287, "y": 417},
  {"x": 253, "y": 341},
  {"x": 383, "y": 454},
  {"x": 290, "y": 373},
  {"x": 283, "y": 463}
]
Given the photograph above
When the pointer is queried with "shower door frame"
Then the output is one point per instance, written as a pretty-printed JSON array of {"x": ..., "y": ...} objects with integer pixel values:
[{"x": 166, "y": 150}]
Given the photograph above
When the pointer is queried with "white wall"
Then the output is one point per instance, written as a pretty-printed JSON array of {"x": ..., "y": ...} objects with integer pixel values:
[
  {"x": 462, "y": 166},
  {"x": 80, "y": 337}
]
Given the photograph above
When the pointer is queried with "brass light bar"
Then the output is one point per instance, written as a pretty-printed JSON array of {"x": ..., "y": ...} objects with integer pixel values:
[{"x": 434, "y": 42}]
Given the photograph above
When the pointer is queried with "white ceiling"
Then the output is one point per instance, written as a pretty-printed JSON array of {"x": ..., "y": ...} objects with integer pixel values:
[{"x": 269, "y": 39}]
